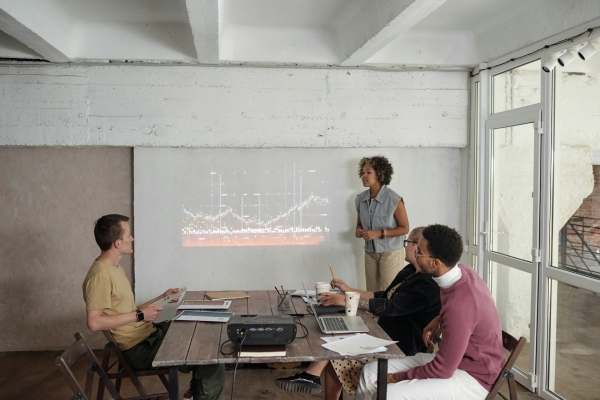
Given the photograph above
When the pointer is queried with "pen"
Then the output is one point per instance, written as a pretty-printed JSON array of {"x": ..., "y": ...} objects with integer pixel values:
[
  {"x": 279, "y": 294},
  {"x": 333, "y": 276},
  {"x": 282, "y": 290}
]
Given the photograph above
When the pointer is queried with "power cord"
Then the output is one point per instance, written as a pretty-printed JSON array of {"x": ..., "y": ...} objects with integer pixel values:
[
  {"x": 237, "y": 360},
  {"x": 304, "y": 328}
]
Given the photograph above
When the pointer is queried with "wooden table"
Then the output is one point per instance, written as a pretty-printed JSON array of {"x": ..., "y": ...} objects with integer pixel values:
[{"x": 197, "y": 343}]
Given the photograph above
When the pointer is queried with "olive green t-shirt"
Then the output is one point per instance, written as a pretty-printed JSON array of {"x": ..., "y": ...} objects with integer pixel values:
[{"x": 107, "y": 288}]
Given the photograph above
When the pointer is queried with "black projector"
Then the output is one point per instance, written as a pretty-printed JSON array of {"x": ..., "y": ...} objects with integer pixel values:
[{"x": 261, "y": 329}]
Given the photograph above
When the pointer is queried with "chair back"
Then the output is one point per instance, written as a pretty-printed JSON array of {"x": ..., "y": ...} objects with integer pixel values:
[
  {"x": 70, "y": 356},
  {"x": 514, "y": 347}
]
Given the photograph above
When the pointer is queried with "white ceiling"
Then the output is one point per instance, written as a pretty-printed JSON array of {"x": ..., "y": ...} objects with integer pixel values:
[{"x": 433, "y": 33}]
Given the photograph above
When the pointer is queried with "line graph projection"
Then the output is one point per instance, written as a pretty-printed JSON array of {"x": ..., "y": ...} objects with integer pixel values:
[{"x": 283, "y": 206}]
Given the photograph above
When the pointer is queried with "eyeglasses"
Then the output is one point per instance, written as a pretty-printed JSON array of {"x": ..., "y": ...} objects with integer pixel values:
[
  {"x": 418, "y": 254},
  {"x": 406, "y": 242}
]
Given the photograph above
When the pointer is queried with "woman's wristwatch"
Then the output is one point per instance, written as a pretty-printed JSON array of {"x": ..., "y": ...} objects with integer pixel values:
[
  {"x": 139, "y": 315},
  {"x": 383, "y": 233}
]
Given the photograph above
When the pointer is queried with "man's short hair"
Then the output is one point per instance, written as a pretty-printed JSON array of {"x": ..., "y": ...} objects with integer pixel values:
[
  {"x": 416, "y": 234},
  {"x": 108, "y": 229},
  {"x": 444, "y": 243}
]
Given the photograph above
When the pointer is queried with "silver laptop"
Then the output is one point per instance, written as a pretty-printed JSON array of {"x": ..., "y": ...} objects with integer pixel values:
[{"x": 338, "y": 324}]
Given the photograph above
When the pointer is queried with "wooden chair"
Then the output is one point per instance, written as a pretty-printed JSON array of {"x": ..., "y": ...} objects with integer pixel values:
[
  {"x": 123, "y": 369},
  {"x": 79, "y": 350},
  {"x": 514, "y": 347}
]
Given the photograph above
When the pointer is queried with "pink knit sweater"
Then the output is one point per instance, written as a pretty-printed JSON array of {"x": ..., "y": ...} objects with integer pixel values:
[{"x": 472, "y": 336}]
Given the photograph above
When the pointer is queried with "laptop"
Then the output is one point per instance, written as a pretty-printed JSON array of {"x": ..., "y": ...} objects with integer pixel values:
[{"x": 338, "y": 324}]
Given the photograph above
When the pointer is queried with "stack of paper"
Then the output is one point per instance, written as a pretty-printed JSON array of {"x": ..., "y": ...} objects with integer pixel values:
[
  {"x": 204, "y": 305},
  {"x": 352, "y": 345},
  {"x": 263, "y": 351},
  {"x": 207, "y": 316}
]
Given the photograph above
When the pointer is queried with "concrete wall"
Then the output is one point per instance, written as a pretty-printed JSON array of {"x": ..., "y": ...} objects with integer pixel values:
[
  {"x": 175, "y": 106},
  {"x": 55, "y": 194},
  {"x": 533, "y": 21},
  {"x": 50, "y": 198}
]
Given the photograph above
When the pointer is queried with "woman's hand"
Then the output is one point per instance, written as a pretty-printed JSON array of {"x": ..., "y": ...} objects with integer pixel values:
[
  {"x": 340, "y": 284},
  {"x": 359, "y": 232},
  {"x": 370, "y": 235},
  {"x": 332, "y": 299},
  {"x": 430, "y": 330}
]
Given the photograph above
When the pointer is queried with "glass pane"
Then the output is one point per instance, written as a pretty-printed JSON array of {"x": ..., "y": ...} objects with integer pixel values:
[
  {"x": 576, "y": 188},
  {"x": 511, "y": 289},
  {"x": 475, "y": 168},
  {"x": 518, "y": 87},
  {"x": 511, "y": 209},
  {"x": 573, "y": 346}
]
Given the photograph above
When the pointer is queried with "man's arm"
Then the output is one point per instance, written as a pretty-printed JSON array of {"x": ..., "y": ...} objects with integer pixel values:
[{"x": 98, "y": 321}]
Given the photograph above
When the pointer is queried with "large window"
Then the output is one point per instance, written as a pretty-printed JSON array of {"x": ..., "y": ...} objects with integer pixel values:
[
  {"x": 539, "y": 204},
  {"x": 576, "y": 191}
]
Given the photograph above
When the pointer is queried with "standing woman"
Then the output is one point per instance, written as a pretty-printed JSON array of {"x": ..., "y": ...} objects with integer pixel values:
[{"x": 382, "y": 223}]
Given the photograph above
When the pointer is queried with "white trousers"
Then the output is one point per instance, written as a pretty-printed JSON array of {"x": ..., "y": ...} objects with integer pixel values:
[{"x": 461, "y": 386}]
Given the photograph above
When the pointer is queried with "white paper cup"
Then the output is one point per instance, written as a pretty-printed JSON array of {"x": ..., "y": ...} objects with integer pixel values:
[
  {"x": 352, "y": 303},
  {"x": 321, "y": 287}
]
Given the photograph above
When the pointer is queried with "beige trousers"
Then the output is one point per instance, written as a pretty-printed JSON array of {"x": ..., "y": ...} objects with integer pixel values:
[{"x": 382, "y": 268}]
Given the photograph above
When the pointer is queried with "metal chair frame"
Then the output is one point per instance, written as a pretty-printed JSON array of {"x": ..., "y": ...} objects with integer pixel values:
[{"x": 75, "y": 352}]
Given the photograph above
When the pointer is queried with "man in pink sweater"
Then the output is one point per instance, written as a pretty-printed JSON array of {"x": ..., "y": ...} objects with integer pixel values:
[{"x": 470, "y": 355}]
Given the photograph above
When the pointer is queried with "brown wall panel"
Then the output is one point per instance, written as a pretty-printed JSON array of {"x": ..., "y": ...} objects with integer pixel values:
[{"x": 50, "y": 198}]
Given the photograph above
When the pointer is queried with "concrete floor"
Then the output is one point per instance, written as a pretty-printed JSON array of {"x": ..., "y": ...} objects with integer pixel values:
[{"x": 33, "y": 375}]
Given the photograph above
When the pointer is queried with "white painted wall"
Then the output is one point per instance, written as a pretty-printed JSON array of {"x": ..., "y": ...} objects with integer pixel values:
[
  {"x": 177, "y": 106},
  {"x": 429, "y": 179}
]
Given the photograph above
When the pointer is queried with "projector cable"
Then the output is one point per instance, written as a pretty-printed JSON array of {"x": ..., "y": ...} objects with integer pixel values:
[{"x": 237, "y": 360}]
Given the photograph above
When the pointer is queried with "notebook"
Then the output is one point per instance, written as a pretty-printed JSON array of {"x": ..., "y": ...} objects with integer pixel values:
[
  {"x": 338, "y": 324},
  {"x": 167, "y": 299}
]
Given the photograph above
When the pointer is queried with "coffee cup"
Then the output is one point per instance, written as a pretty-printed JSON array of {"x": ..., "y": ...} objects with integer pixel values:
[
  {"x": 321, "y": 287},
  {"x": 352, "y": 303}
]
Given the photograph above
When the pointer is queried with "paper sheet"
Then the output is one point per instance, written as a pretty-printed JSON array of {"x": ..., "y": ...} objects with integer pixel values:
[
  {"x": 302, "y": 293},
  {"x": 357, "y": 344},
  {"x": 330, "y": 339}
]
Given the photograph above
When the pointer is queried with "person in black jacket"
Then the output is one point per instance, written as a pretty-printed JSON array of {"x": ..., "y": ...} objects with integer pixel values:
[{"x": 404, "y": 309}]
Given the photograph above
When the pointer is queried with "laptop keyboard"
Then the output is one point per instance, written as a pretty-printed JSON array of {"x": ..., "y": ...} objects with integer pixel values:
[{"x": 334, "y": 324}]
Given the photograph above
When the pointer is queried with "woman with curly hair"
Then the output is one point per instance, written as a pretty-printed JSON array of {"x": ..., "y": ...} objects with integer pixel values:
[{"x": 382, "y": 223}]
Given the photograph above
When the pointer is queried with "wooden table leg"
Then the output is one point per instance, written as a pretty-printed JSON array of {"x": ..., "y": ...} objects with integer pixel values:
[
  {"x": 173, "y": 383},
  {"x": 382, "y": 369}
]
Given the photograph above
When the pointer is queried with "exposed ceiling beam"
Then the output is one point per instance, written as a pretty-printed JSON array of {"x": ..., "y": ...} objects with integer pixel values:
[
  {"x": 204, "y": 20},
  {"x": 366, "y": 29},
  {"x": 25, "y": 32}
]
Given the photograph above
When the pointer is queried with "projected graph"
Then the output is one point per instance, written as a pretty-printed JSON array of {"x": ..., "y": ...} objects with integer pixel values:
[{"x": 257, "y": 208}]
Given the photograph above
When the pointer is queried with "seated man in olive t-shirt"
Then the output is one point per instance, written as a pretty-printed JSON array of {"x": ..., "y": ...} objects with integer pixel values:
[{"x": 111, "y": 306}]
